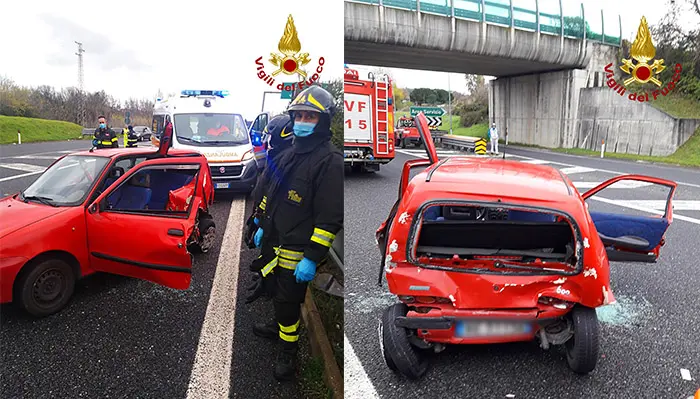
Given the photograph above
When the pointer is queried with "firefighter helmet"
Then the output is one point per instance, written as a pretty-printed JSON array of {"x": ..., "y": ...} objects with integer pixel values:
[
  {"x": 279, "y": 132},
  {"x": 315, "y": 99}
]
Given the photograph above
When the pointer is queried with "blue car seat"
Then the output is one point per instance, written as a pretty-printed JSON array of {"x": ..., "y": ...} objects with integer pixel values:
[{"x": 134, "y": 195}]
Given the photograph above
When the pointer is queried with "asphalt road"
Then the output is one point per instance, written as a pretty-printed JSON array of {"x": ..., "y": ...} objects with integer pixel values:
[
  {"x": 126, "y": 338},
  {"x": 646, "y": 339}
]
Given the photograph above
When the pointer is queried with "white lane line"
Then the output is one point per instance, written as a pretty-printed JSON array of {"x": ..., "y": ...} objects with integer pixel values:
[
  {"x": 685, "y": 373},
  {"x": 19, "y": 176},
  {"x": 534, "y": 161},
  {"x": 357, "y": 384},
  {"x": 620, "y": 184},
  {"x": 609, "y": 171},
  {"x": 24, "y": 167},
  {"x": 678, "y": 205},
  {"x": 576, "y": 169},
  {"x": 211, "y": 372},
  {"x": 48, "y": 157},
  {"x": 627, "y": 204}
]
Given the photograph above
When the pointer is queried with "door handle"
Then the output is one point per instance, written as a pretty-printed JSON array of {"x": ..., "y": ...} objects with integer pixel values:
[{"x": 176, "y": 232}]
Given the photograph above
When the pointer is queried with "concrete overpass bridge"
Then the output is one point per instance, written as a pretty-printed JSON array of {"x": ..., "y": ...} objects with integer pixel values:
[
  {"x": 548, "y": 56},
  {"x": 484, "y": 37}
]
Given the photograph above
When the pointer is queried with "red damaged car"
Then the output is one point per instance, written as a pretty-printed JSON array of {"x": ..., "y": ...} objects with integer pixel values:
[
  {"x": 491, "y": 251},
  {"x": 126, "y": 211}
]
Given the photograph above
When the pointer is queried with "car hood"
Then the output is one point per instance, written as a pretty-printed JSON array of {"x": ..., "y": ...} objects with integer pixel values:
[{"x": 16, "y": 214}]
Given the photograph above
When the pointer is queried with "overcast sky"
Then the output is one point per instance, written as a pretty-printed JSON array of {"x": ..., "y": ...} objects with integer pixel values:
[
  {"x": 631, "y": 12},
  {"x": 133, "y": 48}
]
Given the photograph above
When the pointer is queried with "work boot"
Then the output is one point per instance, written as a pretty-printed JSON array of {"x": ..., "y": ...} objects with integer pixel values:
[
  {"x": 266, "y": 330},
  {"x": 286, "y": 366}
]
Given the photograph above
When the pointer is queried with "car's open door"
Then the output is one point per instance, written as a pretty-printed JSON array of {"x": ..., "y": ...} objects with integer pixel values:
[
  {"x": 256, "y": 131},
  {"x": 135, "y": 241},
  {"x": 432, "y": 158},
  {"x": 628, "y": 231}
]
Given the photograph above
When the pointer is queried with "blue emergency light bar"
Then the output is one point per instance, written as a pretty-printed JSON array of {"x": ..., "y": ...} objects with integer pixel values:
[{"x": 194, "y": 93}]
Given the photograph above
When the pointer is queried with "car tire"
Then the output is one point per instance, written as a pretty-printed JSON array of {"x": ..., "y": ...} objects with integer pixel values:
[
  {"x": 396, "y": 346},
  {"x": 207, "y": 232},
  {"x": 582, "y": 348},
  {"x": 387, "y": 359},
  {"x": 45, "y": 288}
]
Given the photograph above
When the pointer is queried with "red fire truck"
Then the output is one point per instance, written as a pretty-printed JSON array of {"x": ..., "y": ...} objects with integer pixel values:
[{"x": 369, "y": 121}]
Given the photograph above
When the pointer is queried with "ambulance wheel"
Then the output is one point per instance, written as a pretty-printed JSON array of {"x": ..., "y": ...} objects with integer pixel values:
[
  {"x": 582, "y": 347},
  {"x": 45, "y": 288},
  {"x": 396, "y": 347},
  {"x": 207, "y": 234}
]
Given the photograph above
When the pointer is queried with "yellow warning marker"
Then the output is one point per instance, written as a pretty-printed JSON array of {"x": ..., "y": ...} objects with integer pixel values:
[{"x": 480, "y": 147}]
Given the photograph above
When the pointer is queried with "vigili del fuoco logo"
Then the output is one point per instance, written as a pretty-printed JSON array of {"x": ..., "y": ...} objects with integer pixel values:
[
  {"x": 289, "y": 61},
  {"x": 641, "y": 71}
]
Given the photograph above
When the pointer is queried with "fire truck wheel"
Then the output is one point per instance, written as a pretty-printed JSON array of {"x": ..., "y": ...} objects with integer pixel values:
[
  {"x": 45, "y": 288},
  {"x": 397, "y": 348},
  {"x": 207, "y": 234},
  {"x": 582, "y": 347}
]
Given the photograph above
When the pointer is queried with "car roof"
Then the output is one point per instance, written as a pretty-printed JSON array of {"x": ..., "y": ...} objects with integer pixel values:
[
  {"x": 115, "y": 152},
  {"x": 498, "y": 177}
]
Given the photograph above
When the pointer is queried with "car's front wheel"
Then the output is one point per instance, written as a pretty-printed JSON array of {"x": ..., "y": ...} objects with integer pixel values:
[{"x": 46, "y": 288}]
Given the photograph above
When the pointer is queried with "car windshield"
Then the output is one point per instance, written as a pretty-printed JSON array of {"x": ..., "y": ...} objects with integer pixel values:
[
  {"x": 67, "y": 182},
  {"x": 210, "y": 129}
]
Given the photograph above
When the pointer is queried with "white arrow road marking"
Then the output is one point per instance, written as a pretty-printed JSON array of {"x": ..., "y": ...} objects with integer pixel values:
[
  {"x": 211, "y": 372},
  {"x": 576, "y": 169},
  {"x": 24, "y": 167},
  {"x": 620, "y": 184},
  {"x": 357, "y": 384}
]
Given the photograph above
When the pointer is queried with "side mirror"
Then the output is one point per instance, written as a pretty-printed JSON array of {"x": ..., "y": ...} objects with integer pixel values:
[{"x": 93, "y": 208}]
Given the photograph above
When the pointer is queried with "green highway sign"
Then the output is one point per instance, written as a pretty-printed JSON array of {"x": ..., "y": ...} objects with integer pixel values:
[
  {"x": 287, "y": 94},
  {"x": 428, "y": 111}
]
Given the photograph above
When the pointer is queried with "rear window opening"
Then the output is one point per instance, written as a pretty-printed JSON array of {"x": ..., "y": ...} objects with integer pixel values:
[{"x": 496, "y": 239}]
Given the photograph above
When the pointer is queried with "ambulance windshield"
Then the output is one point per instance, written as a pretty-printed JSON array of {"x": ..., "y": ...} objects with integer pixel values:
[{"x": 210, "y": 129}]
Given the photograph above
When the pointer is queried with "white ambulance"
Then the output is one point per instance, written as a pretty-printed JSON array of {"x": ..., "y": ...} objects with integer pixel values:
[{"x": 206, "y": 121}]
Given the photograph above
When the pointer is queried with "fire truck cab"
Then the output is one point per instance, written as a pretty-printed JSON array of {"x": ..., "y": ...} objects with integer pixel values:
[{"x": 368, "y": 126}]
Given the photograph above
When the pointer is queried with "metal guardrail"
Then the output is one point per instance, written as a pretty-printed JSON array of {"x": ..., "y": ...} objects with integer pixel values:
[
  {"x": 336, "y": 252},
  {"x": 568, "y": 19},
  {"x": 464, "y": 143}
]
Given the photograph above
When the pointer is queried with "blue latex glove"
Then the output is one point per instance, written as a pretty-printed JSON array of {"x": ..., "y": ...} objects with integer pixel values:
[
  {"x": 258, "y": 237},
  {"x": 305, "y": 270},
  {"x": 256, "y": 221}
]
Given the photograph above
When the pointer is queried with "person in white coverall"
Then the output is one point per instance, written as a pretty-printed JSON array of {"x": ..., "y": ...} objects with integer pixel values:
[{"x": 493, "y": 136}]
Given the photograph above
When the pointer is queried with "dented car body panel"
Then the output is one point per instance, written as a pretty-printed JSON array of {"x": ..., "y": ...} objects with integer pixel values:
[
  {"x": 447, "y": 278},
  {"x": 90, "y": 234}
]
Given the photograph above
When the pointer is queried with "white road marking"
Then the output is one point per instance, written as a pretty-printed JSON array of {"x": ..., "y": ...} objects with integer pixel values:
[
  {"x": 627, "y": 204},
  {"x": 576, "y": 169},
  {"x": 19, "y": 176},
  {"x": 620, "y": 184},
  {"x": 48, "y": 157},
  {"x": 685, "y": 373},
  {"x": 24, "y": 167},
  {"x": 535, "y": 161},
  {"x": 678, "y": 205},
  {"x": 357, "y": 384},
  {"x": 211, "y": 372}
]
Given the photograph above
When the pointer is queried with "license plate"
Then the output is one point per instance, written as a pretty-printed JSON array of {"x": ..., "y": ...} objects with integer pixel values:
[
  {"x": 496, "y": 328},
  {"x": 221, "y": 185}
]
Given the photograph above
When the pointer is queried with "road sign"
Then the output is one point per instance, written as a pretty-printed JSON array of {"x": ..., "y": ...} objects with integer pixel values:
[
  {"x": 434, "y": 121},
  {"x": 428, "y": 111},
  {"x": 480, "y": 146},
  {"x": 287, "y": 94}
]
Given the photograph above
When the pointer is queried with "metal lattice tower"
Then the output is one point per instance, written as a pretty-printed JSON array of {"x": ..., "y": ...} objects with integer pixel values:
[{"x": 81, "y": 105}]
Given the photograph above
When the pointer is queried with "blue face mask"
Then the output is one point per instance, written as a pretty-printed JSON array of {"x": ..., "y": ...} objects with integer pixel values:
[
  {"x": 303, "y": 129},
  {"x": 102, "y": 125}
]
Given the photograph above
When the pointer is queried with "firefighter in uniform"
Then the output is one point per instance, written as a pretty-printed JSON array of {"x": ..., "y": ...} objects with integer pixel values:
[
  {"x": 105, "y": 137},
  {"x": 277, "y": 136},
  {"x": 130, "y": 137},
  {"x": 303, "y": 212}
]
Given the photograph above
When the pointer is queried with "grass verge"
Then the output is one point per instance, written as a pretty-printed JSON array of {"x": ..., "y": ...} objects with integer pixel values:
[
  {"x": 687, "y": 155},
  {"x": 331, "y": 310},
  {"x": 677, "y": 106},
  {"x": 36, "y": 130},
  {"x": 478, "y": 130}
]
